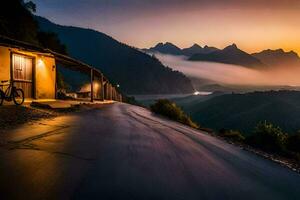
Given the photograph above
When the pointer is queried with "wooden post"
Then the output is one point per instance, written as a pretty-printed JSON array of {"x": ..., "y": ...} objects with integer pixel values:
[
  {"x": 56, "y": 74},
  {"x": 111, "y": 92},
  {"x": 102, "y": 88},
  {"x": 92, "y": 85}
]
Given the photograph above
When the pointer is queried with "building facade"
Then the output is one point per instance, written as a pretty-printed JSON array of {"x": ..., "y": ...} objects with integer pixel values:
[{"x": 33, "y": 72}]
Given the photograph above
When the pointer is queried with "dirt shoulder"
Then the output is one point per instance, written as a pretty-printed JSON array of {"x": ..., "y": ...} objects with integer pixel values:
[{"x": 14, "y": 116}]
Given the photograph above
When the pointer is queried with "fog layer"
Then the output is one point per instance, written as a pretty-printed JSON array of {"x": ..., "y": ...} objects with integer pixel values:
[{"x": 232, "y": 74}]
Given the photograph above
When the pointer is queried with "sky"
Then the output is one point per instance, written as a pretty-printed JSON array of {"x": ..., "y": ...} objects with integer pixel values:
[{"x": 253, "y": 25}]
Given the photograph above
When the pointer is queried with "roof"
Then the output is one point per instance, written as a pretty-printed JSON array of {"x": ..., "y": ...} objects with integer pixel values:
[{"x": 64, "y": 60}]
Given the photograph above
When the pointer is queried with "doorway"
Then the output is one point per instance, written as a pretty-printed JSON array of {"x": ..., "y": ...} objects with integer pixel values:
[{"x": 22, "y": 73}]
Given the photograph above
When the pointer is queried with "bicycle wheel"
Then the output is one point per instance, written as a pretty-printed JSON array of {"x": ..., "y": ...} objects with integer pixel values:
[
  {"x": 2, "y": 96},
  {"x": 18, "y": 96}
]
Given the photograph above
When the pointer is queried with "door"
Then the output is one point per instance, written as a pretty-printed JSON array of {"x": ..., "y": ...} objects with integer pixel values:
[{"x": 22, "y": 74}]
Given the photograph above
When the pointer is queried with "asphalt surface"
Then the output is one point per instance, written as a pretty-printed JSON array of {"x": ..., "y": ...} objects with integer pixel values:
[{"x": 125, "y": 152}]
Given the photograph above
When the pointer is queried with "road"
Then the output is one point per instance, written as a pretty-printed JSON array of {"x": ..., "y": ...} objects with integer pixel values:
[{"x": 125, "y": 152}]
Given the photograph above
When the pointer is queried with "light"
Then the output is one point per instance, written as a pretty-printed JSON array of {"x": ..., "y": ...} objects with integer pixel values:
[
  {"x": 196, "y": 93},
  {"x": 40, "y": 61},
  {"x": 118, "y": 86}
]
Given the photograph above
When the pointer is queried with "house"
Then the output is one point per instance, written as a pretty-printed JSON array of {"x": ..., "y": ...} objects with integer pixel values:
[{"x": 34, "y": 70}]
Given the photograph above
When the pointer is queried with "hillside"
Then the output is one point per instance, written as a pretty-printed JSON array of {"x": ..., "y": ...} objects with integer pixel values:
[
  {"x": 243, "y": 111},
  {"x": 135, "y": 71},
  {"x": 278, "y": 58},
  {"x": 229, "y": 55}
]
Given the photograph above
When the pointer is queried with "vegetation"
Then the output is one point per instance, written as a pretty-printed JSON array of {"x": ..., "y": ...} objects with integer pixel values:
[
  {"x": 268, "y": 137},
  {"x": 22, "y": 26},
  {"x": 293, "y": 142},
  {"x": 172, "y": 111},
  {"x": 50, "y": 40},
  {"x": 232, "y": 135},
  {"x": 243, "y": 111}
]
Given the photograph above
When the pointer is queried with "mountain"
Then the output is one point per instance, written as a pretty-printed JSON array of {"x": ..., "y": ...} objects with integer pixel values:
[
  {"x": 135, "y": 71},
  {"x": 169, "y": 48},
  {"x": 278, "y": 58},
  {"x": 197, "y": 49},
  {"x": 244, "y": 111},
  {"x": 229, "y": 55},
  {"x": 166, "y": 48}
]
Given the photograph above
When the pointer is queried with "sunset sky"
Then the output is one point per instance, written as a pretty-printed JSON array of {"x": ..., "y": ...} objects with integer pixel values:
[{"x": 252, "y": 24}]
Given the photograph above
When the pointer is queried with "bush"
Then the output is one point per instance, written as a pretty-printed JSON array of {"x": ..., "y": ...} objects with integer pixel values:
[
  {"x": 233, "y": 135},
  {"x": 293, "y": 142},
  {"x": 172, "y": 111},
  {"x": 268, "y": 137}
]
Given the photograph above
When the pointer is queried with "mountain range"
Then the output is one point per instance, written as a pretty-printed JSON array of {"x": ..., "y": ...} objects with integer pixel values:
[
  {"x": 169, "y": 48},
  {"x": 135, "y": 71},
  {"x": 230, "y": 55},
  {"x": 278, "y": 58}
]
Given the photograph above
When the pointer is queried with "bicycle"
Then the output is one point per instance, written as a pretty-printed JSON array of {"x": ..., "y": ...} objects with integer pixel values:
[{"x": 11, "y": 93}]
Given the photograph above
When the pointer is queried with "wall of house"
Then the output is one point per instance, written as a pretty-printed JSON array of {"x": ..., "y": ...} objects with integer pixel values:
[
  {"x": 4, "y": 64},
  {"x": 44, "y": 67},
  {"x": 45, "y": 73}
]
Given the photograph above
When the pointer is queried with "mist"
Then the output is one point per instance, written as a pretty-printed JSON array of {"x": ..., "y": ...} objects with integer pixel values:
[{"x": 232, "y": 74}]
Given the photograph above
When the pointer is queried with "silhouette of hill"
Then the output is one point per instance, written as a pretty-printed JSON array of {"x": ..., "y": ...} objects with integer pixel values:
[
  {"x": 135, "y": 71},
  {"x": 165, "y": 48},
  {"x": 229, "y": 55},
  {"x": 244, "y": 111},
  {"x": 196, "y": 49},
  {"x": 169, "y": 48},
  {"x": 278, "y": 57}
]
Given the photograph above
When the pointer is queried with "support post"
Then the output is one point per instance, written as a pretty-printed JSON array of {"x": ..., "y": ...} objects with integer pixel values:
[
  {"x": 102, "y": 88},
  {"x": 92, "y": 85},
  {"x": 111, "y": 92},
  {"x": 56, "y": 78}
]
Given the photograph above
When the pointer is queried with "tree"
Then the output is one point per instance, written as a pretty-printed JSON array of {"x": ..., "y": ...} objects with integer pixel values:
[
  {"x": 17, "y": 21},
  {"x": 51, "y": 41},
  {"x": 29, "y": 5}
]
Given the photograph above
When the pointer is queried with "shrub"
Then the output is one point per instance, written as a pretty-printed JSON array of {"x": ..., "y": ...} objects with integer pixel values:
[
  {"x": 268, "y": 137},
  {"x": 232, "y": 135},
  {"x": 172, "y": 111},
  {"x": 293, "y": 142}
]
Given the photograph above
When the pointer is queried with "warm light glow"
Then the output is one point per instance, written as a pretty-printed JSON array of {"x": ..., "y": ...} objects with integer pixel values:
[
  {"x": 40, "y": 62},
  {"x": 196, "y": 93}
]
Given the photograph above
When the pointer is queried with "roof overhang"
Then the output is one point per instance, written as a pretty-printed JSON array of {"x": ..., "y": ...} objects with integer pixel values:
[{"x": 64, "y": 60}]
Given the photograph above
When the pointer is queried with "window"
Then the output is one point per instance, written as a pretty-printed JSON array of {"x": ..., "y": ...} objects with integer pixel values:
[{"x": 22, "y": 68}]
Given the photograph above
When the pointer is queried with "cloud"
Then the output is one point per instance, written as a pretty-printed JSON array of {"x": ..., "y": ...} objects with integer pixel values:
[{"x": 232, "y": 74}]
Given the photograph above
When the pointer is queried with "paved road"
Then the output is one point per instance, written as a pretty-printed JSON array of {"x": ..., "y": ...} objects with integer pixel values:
[{"x": 124, "y": 152}]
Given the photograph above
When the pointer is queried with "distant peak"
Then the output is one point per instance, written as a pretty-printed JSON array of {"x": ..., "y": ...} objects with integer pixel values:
[
  {"x": 169, "y": 44},
  {"x": 159, "y": 44},
  {"x": 279, "y": 51},
  {"x": 233, "y": 46},
  {"x": 195, "y": 45}
]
